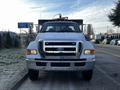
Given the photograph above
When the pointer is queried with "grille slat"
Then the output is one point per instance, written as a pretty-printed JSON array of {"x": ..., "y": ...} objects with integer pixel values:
[{"x": 60, "y": 54}]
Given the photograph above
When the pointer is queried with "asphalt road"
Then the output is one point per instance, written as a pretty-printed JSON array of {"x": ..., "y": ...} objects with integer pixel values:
[{"x": 106, "y": 75}]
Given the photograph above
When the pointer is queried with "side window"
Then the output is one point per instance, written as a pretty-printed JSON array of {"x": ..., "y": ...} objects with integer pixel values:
[
  {"x": 71, "y": 28},
  {"x": 49, "y": 28}
]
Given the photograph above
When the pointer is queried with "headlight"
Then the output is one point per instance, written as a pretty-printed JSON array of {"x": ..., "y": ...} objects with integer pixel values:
[
  {"x": 31, "y": 52},
  {"x": 89, "y": 52}
]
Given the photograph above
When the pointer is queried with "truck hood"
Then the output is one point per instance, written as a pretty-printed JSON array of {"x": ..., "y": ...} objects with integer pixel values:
[{"x": 60, "y": 36}]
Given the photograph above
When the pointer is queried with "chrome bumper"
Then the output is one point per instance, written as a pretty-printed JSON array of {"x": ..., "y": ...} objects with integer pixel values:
[{"x": 61, "y": 65}]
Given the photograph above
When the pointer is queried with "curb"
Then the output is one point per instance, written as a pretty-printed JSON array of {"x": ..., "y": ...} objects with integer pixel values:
[
  {"x": 18, "y": 84},
  {"x": 18, "y": 79},
  {"x": 12, "y": 82}
]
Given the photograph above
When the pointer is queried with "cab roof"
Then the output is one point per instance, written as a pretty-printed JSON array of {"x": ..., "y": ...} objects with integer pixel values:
[{"x": 78, "y": 21}]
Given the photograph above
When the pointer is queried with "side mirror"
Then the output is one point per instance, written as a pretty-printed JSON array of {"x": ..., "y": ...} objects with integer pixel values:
[{"x": 87, "y": 37}]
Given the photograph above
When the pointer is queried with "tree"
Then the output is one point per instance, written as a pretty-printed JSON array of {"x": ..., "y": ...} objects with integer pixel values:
[
  {"x": 8, "y": 43},
  {"x": 16, "y": 42},
  {"x": 114, "y": 16},
  {"x": 0, "y": 41}
]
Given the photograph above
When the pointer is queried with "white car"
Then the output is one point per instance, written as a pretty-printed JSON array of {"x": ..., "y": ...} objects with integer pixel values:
[
  {"x": 118, "y": 42},
  {"x": 114, "y": 42}
]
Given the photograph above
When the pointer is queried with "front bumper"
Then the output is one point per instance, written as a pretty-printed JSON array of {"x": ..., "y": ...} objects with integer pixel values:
[{"x": 61, "y": 65}]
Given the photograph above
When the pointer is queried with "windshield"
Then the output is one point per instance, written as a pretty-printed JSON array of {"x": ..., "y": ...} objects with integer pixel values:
[{"x": 60, "y": 27}]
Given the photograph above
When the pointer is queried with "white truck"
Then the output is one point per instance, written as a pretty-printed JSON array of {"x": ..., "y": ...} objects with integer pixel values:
[{"x": 60, "y": 45}]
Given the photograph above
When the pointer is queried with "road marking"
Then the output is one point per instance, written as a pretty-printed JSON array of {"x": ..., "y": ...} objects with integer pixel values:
[
  {"x": 110, "y": 53},
  {"x": 109, "y": 77}
]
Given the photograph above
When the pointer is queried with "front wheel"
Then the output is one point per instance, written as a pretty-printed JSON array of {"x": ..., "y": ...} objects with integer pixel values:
[
  {"x": 33, "y": 74},
  {"x": 87, "y": 75}
]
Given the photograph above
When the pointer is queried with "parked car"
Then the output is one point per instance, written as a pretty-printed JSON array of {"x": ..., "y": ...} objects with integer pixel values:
[
  {"x": 118, "y": 42},
  {"x": 114, "y": 42},
  {"x": 106, "y": 41},
  {"x": 97, "y": 41}
]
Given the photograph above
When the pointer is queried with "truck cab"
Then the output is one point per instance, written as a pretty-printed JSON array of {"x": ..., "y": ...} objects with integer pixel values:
[{"x": 60, "y": 45}]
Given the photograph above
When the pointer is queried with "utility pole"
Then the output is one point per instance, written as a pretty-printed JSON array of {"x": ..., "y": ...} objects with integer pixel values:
[{"x": 30, "y": 28}]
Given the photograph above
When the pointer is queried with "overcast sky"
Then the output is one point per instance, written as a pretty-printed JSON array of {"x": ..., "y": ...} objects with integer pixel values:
[{"x": 92, "y": 11}]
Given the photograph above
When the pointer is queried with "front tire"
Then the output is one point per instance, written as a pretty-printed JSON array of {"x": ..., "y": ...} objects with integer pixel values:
[
  {"x": 87, "y": 75},
  {"x": 33, "y": 74}
]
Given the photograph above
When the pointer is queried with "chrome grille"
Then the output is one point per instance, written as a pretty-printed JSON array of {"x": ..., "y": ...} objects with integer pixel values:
[{"x": 60, "y": 48}]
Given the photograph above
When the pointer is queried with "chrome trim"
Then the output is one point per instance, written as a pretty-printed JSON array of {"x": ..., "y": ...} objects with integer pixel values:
[
  {"x": 60, "y": 51},
  {"x": 61, "y": 46},
  {"x": 60, "y": 41},
  {"x": 53, "y": 46}
]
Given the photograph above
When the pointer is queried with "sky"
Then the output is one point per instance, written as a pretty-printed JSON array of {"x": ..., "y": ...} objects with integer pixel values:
[{"x": 91, "y": 11}]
